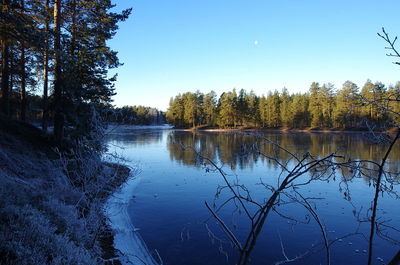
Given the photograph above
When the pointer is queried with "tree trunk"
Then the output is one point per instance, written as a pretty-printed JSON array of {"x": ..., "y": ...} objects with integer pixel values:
[
  {"x": 11, "y": 72},
  {"x": 5, "y": 79},
  {"x": 45, "y": 115},
  {"x": 23, "y": 82},
  {"x": 73, "y": 27},
  {"x": 23, "y": 73},
  {"x": 4, "y": 68},
  {"x": 58, "y": 100}
]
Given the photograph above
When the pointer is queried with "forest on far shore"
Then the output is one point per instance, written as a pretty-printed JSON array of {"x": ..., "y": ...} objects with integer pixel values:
[{"x": 321, "y": 107}]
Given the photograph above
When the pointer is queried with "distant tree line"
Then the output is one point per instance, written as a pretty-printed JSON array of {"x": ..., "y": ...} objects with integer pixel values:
[
  {"x": 321, "y": 107},
  {"x": 57, "y": 49},
  {"x": 137, "y": 115}
]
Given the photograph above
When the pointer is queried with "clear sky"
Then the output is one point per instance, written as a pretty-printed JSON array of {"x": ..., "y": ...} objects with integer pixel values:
[{"x": 174, "y": 46}]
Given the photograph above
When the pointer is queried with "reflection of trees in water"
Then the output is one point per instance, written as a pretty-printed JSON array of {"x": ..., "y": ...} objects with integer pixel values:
[
  {"x": 298, "y": 168},
  {"x": 229, "y": 149},
  {"x": 237, "y": 149}
]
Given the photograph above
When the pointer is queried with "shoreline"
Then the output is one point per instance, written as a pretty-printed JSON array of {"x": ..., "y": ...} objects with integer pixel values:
[
  {"x": 124, "y": 128},
  {"x": 283, "y": 130},
  {"x": 125, "y": 236}
]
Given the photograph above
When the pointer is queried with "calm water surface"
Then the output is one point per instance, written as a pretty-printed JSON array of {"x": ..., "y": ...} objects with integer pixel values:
[{"x": 169, "y": 205}]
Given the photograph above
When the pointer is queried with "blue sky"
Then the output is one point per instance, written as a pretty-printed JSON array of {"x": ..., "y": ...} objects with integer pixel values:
[{"x": 173, "y": 46}]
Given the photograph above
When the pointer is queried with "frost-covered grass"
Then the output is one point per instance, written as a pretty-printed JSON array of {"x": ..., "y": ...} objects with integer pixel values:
[{"x": 51, "y": 204}]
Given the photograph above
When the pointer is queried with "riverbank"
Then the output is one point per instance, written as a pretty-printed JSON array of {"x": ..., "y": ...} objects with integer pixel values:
[
  {"x": 125, "y": 128},
  {"x": 52, "y": 204},
  {"x": 287, "y": 130}
]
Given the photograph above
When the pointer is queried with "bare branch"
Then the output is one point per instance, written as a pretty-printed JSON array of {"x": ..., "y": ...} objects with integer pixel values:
[
  {"x": 385, "y": 36},
  {"x": 377, "y": 190},
  {"x": 226, "y": 229}
]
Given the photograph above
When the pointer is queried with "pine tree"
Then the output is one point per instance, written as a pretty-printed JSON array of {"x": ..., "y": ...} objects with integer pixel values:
[
  {"x": 273, "y": 115},
  {"x": 262, "y": 109},
  {"x": 269, "y": 105},
  {"x": 175, "y": 112},
  {"x": 20, "y": 34},
  {"x": 5, "y": 39},
  {"x": 372, "y": 95},
  {"x": 210, "y": 108},
  {"x": 23, "y": 71},
  {"x": 315, "y": 107},
  {"x": 327, "y": 104},
  {"x": 393, "y": 94},
  {"x": 227, "y": 109},
  {"x": 300, "y": 111},
  {"x": 346, "y": 111},
  {"x": 46, "y": 54},
  {"x": 252, "y": 114},
  {"x": 241, "y": 107},
  {"x": 191, "y": 109},
  {"x": 57, "y": 87},
  {"x": 85, "y": 63},
  {"x": 285, "y": 110}
]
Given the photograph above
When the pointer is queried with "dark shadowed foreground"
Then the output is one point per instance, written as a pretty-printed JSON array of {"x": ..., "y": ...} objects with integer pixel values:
[{"x": 51, "y": 204}]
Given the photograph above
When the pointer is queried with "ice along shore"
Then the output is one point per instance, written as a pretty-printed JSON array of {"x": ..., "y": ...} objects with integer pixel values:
[{"x": 127, "y": 239}]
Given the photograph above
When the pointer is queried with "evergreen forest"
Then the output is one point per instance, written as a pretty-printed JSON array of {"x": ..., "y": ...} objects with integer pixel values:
[
  {"x": 55, "y": 62},
  {"x": 322, "y": 106}
]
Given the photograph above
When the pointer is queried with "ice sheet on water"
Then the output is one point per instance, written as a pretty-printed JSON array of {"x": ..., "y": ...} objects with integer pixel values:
[{"x": 127, "y": 238}]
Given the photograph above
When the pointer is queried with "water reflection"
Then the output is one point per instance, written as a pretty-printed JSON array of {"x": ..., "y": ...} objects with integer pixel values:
[
  {"x": 177, "y": 185},
  {"x": 290, "y": 156},
  {"x": 235, "y": 149},
  {"x": 138, "y": 138}
]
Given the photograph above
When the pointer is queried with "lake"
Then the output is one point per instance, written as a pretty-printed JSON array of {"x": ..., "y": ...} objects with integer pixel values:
[{"x": 169, "y": 203}]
